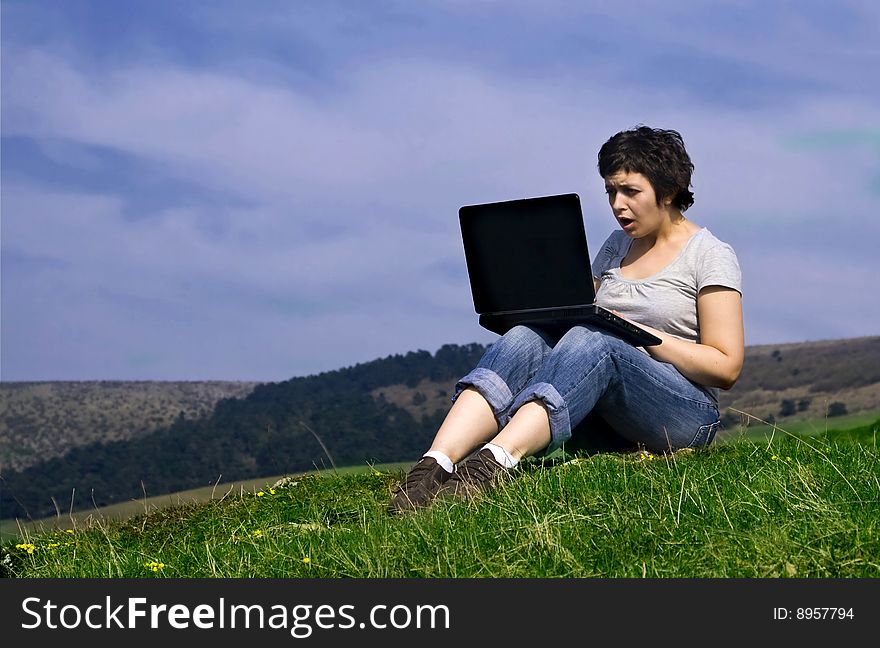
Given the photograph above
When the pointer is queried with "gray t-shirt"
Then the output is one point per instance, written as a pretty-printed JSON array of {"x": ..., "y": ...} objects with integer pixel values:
[{"x": 666, "y": 300}]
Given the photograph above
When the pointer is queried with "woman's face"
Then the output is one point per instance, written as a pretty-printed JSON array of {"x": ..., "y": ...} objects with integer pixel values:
[{"x": 634, "y": 203}]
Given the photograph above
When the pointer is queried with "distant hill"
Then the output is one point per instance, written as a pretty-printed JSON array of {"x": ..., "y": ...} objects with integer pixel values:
[
  {"x": 277, "y": 428},
  {"x": 45, "y": 420},
  {"x": 385, "y": 410},
  {"x": 807, "y": 380}
]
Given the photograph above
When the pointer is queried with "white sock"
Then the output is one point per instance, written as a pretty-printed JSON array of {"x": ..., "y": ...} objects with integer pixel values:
[
  {"x": 442, "y": 459},
  {"x": 502, "y": 456}
]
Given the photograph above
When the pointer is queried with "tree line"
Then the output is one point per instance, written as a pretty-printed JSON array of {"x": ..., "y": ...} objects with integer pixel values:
[{"x": 279, "y": 428}]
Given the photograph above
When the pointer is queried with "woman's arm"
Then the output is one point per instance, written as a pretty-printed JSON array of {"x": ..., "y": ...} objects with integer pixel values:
[{"x": 717, "y": 360}]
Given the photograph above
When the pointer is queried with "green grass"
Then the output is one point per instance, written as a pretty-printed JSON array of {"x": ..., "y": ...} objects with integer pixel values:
[
  {"x": 14, "y": 529},
  {"x": 796, "y": 507}
]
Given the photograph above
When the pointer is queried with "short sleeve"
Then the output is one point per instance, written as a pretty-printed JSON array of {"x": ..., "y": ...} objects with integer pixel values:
[
  {"x": 719, "y": 267},
  {"x": 606, "y": 255}
]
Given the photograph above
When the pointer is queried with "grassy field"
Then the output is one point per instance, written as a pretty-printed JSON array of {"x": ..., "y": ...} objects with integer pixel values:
[
  {"x": 14, "y": 529},
  {"x": 791, "y": 507}
]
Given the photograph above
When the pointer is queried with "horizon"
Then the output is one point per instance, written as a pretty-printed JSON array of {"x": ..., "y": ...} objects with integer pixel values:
[{"x": 385, "y": 357}]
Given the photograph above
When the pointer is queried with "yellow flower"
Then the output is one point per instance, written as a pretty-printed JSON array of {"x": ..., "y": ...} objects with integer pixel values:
[
  {"x": 774, "y": 457},
  {"x": 68, "y": 530},
  {"x": 52, "y": 545},
  {"x": 307, "y": 560},
  {"x": 257, "y": 534},
  {"x": 154, "y": 566},
  {"x": 26, "y": 546},
  {"x": 788, "y": 458},
  {"x": 271, "y": 491},
  {"x": 260, "y": 494}
]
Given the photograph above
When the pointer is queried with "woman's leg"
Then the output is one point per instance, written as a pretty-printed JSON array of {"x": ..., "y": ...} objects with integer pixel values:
[
  {"x": 483, "y": 397},
  {"x": 646, "y": 401},
  {"x": 480, "y": 408},
  {"x": 572, "y": 375},
  {"x": 469, "y": 422},
  {"x": 528, "y": 431}
]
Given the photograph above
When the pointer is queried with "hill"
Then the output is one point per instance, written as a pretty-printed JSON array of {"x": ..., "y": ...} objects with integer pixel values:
[
  {"x": 277, "y": 428},
  {"x": 45, "y": 420},
  {"x": 382, "y": 411},
  {"x": 807, "y": 380}
]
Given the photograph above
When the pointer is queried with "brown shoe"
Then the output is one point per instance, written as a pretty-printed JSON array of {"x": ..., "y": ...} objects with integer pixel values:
[
  {"x": 420, "y": 486},
  {"x": 474, "y": 476}
]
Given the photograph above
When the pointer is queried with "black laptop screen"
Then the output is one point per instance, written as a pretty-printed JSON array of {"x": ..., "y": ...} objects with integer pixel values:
[{"x": 529, "y": 253}]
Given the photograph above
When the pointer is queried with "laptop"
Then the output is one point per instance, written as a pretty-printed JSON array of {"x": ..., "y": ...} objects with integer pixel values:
[{"x": 528, "y": 263}]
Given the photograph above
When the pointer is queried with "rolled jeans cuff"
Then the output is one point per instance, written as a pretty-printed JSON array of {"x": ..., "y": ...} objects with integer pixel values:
[
  {"x": 492, "y": 387},
  {"x": 560, "y": 423}
]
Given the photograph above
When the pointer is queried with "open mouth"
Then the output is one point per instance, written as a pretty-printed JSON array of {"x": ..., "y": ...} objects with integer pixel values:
[{"x": 625, "y": 222}]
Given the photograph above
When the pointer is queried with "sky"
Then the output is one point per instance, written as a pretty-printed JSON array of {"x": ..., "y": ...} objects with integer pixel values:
[{"x": 233, "y": 190}]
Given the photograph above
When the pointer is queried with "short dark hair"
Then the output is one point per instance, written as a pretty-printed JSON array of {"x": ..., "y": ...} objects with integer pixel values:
[{"x": 657, "y": 154}]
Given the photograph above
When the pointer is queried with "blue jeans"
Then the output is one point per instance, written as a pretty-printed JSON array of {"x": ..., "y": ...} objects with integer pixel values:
[{"x": 592, "y": 372}]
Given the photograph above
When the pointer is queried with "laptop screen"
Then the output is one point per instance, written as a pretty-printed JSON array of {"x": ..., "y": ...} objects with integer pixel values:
[{"x": 524, "y": 254}]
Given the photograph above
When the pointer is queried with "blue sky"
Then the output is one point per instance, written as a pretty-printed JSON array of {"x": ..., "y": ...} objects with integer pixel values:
[{"x": 255, "y": 191}]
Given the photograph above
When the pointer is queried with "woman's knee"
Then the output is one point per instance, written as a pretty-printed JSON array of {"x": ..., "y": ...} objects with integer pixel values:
[
  {"x": 522, "y": 339},
  {"x": 524, "y": 333},
  {"x": 584, "y": 341}
]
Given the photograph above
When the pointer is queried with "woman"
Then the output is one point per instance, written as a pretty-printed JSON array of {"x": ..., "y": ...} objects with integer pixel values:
[{"x": 660, "y": 270}]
